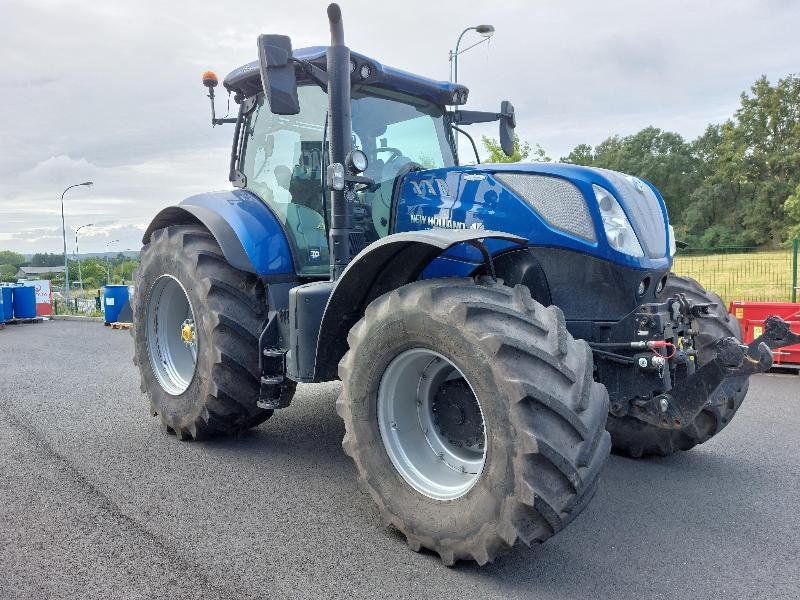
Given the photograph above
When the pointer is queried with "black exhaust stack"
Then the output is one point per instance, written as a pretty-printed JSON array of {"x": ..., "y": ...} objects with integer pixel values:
[{"x": 340, "y": 124}]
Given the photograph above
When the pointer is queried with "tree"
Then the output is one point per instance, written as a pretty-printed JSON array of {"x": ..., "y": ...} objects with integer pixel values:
[
  {"x": 750, "y": 166},
  {"x": 8, "y": 272},
  {"x": 522, "y": 151},
  {"x": 124, "y": 271},
  {"x": 8, "y": 257},
  {"x": 582, "y": 154},
  {"x": 792, "y": 209},
  {"x": 94, "y": 272},
  {"x": 47, "y": 259}
]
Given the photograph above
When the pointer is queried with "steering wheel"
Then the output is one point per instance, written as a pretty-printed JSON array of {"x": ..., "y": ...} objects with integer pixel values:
[{"x": 395, "y": 152}]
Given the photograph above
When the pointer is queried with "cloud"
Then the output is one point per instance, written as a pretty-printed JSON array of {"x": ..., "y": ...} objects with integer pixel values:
[
  {"x": 110, "y": 91},
  {"x": 59, "y": 170}
]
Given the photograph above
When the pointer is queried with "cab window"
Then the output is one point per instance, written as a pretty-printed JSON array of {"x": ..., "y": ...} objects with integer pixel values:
[{"x": 282, "y": 164}]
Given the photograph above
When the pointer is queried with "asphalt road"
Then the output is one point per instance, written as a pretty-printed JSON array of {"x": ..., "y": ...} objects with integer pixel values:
[{"x": 97, "y": 501}]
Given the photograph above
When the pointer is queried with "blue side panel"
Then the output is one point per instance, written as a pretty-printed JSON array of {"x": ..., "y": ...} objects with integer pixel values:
[
  {"x": 446, "y": 266},
  {"x": 258, "y": 229}
]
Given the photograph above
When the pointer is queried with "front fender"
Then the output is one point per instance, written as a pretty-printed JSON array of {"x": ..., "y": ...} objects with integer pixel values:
[
  {"x": 383, "y": 266},
  {"x": 250, "y": 235}
]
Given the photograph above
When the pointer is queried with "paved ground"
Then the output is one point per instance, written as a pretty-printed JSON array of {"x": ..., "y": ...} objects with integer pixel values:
[{"x": 96, "y": 501}]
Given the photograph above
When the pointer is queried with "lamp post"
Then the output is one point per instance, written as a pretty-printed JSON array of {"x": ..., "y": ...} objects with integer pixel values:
[
  {"x": 64, "y": 236},
  {"x": 486, "y": 31},
  {"x": 108, "y": 268},
  {"x": 78, "y": 252}
]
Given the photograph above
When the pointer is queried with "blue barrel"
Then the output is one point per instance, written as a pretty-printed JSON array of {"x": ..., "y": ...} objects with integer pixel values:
[
  {"x": 115, "y": 302},
  {"x": 24, "y": 301},
  {"x": 8, "y": 306}
]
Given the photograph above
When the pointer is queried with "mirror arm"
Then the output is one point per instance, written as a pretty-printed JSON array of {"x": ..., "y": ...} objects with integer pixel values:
[
  {"x": 317, "y": 75},
  {"x": 470, "y": 117}
]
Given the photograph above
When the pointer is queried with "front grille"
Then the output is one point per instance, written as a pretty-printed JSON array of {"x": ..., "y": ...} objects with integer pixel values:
[
  {"x": 644, "y": 211},
  {"x": 558, "y": 201}
]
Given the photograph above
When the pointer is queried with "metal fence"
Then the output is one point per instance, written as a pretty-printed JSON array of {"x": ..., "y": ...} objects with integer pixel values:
[
  {"x": 747, "y": 274},
  {"x": 76, "y": 306}
]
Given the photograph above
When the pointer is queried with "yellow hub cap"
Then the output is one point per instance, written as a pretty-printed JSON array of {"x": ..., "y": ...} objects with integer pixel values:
[{"x": 187, "y": 332}]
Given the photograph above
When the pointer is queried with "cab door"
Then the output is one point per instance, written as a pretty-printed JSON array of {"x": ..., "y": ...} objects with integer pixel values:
[{"x": 282, "y": 164}]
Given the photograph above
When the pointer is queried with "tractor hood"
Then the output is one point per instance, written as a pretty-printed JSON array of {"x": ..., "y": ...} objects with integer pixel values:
[{"x": 597, "y": 211}]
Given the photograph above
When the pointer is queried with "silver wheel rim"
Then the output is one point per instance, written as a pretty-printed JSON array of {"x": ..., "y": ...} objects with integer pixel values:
[
  {"x": 172, "y": 357},
  {"x": 426, "y": 458}
]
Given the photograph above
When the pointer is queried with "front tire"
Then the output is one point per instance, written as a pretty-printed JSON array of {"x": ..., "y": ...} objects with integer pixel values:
[
  {"x": 635, "y": 438},
  {"x": 196, "y": 326},
  {"x": 504, "y": 361}
]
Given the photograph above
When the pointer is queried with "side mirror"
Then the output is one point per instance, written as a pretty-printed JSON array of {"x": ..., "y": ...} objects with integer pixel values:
[
  {"x": 508, "y": 121},
  {"x": 277, "y": 74}
]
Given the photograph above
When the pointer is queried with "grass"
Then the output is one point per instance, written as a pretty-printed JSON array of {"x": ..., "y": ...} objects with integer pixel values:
[{"x": 754, "y": 276}]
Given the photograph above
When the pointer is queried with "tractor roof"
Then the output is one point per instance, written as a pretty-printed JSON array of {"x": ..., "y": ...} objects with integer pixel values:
[{"x": 247, "y": 79}]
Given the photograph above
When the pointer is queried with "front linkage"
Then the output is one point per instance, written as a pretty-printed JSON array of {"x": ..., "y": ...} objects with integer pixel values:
[{"x": 654, "y": 376}]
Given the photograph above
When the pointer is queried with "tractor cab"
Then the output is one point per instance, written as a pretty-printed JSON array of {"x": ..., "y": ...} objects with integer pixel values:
[{"x": 400, "y": 123}]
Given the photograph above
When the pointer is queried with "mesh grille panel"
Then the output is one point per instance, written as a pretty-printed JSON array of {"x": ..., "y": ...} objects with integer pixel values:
[{"x": 558, "y": 201}]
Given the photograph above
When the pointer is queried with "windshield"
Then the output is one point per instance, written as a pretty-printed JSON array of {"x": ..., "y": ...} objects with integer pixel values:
[
  {"x": 394, "y": 131},
  {"x": 282, "y": 162}
]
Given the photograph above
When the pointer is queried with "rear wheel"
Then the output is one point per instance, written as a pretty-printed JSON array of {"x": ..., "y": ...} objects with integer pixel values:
[
  {"x": 634, "y": 438},
  {"x": 472, "y": 416},
  {"x": 196, "y": 326}
]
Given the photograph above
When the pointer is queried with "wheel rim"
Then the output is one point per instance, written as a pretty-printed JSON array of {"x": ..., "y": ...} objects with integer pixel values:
[
  {"x": 171, "y": 336},
  {"x": 431, "y": 424}
]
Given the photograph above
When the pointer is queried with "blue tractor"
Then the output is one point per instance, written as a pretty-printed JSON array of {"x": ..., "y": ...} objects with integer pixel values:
[{"x": 490, "y": 323}]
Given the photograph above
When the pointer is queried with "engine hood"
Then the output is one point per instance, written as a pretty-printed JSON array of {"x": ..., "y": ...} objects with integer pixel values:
[{"x": 481, "y": 196}]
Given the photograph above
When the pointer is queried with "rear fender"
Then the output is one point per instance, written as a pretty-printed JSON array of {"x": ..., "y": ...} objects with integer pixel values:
[
  {"x": 250, "y": 235},
  {"x": 383, "y": 266}
]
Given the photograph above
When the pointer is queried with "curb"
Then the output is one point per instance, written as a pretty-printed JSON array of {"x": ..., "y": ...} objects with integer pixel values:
[{"x": 76, "y": 318}]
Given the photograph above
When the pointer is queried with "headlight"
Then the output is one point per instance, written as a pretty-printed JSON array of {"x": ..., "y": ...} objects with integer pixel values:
[
  {"x": 672, "y": 244},
  {"x": 357, "y": 161},
  {"x": 619, "y": 232}
]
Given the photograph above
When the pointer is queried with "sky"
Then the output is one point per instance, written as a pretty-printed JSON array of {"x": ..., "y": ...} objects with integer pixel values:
[{"x": 110, "y": 91}]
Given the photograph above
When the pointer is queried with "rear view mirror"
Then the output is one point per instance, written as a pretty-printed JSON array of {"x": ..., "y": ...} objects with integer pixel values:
[
  {"x": 277, "y": 74},
  {"x": 507, "y": 124}
]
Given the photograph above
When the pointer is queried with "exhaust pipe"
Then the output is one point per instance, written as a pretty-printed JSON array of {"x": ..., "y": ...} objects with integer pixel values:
[{"x": 340, "y": 126}]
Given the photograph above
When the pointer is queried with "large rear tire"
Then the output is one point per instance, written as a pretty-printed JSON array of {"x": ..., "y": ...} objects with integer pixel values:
[
  {"x": 634, "y": 438},
  {"x": 472, "y": 416},
  {"x": 196, "y": 326}
]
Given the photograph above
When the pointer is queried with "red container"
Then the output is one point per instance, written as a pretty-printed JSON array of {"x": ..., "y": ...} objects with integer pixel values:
[{"x": 752, "y": 315}]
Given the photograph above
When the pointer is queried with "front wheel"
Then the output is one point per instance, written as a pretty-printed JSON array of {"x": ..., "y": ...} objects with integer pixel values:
[{"x": 472, "y": 416}]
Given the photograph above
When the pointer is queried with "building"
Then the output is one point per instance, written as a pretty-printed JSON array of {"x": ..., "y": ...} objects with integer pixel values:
[{"x": 38, "y": 272}]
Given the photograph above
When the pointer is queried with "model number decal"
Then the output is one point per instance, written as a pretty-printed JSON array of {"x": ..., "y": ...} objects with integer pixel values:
[{"x": 435, "y": 187}]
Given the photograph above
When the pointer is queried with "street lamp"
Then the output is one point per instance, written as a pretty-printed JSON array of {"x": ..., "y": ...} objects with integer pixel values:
[
  {"x": 108, "y": 268},
  {"x": 78, "y": 253},
  {"x": 486, "y": 31},
  {"x": 64, "y": 236}
]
